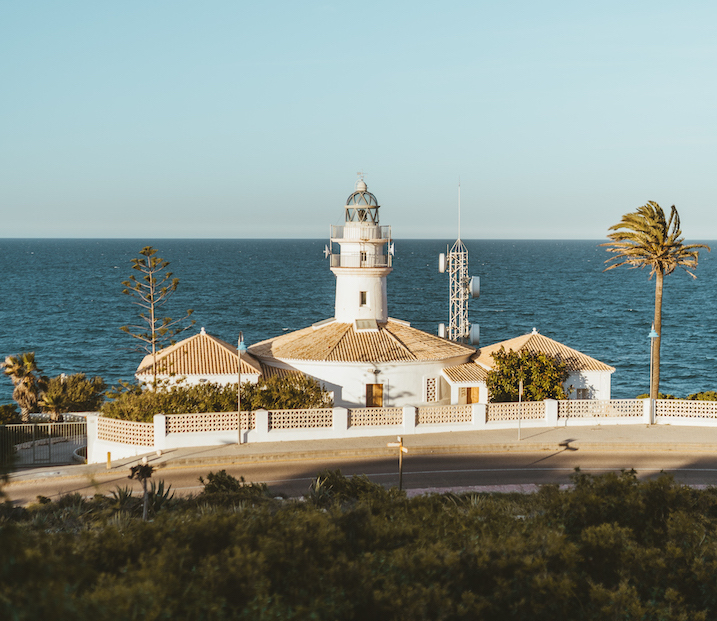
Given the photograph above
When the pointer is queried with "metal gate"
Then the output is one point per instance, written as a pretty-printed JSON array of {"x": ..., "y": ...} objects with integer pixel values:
[{"x": 36, "y": 444}]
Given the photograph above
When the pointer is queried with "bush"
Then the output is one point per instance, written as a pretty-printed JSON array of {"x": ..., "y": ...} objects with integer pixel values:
[
  {"x": 131, "y": 402},
  {"x": 73, "y": 393},
  {"x": 709, "y": 395},
  {"x": 9, "y": 414},
  {"x": 221, "y": 488},
  {"x": 543, "y": 376}
]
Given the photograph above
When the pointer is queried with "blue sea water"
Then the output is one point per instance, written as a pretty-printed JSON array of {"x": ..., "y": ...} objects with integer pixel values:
[{"x": 63, "y": 300}]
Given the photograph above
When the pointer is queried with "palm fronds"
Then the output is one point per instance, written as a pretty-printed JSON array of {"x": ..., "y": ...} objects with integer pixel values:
[{"x": 646, "y": 238}]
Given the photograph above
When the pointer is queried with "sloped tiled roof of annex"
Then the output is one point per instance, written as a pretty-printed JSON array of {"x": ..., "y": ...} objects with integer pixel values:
[
  {"x": 200, "y": 354},
  {"x": 467, "y": 372},
  {"x": 394, "y": 341},
  {"x": 536, "y": 342}
]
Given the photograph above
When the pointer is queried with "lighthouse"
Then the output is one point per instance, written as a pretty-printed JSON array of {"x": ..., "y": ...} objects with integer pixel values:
[{"x": 363, "y": 261}]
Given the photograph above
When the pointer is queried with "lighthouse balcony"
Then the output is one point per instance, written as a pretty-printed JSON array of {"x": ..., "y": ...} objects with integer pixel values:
[
  {"x": 360, "y": 259},
  {"x": 360, "y": 231}
]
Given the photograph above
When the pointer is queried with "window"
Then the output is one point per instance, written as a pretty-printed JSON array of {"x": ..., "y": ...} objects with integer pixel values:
[
  {"x": 363, "y": 257},
  {"x": 431, "y": 389},
  {"x": 582, "y": 393},
  {"x": 374, "y": 395},
  {"x": 363, "y": 298}
]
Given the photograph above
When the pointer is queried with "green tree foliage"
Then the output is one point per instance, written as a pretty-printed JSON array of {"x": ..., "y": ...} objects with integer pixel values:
[
  {"x": 151, "y": 289},
  {"x": 9, "y": 414},
  {"x": 609, "y": 547},
  {"x": 27, "y": 380},
  {"x": 646, "y": 238},
  {"x": 709, "y": 395},
  {"x": 294, "y": 392},
  {"x": 543, "y": 376},
  {"x": 662, "y": 395},
  {"x": 130, "y": 402},
  {"x": 73, "y": 393}
]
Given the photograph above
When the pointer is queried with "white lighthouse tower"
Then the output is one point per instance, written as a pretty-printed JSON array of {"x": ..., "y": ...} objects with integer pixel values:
[{"x": 362, "y": 262}]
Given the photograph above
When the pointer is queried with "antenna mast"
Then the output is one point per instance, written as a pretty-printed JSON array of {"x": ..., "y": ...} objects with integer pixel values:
[{"x": 462, "y": 289}]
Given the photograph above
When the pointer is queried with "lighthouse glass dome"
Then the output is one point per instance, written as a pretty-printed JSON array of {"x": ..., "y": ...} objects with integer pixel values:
[{"x": 362, "y": 206}]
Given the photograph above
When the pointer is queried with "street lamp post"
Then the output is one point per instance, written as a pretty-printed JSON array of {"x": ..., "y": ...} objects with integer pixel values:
[
  {"x": 652, "y": 336},
  {"x": 240, "y": 348},
  {"x": 520, "y": 404}
]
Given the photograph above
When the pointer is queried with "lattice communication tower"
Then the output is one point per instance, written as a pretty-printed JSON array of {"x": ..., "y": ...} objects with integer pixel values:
[{"x": 462, "y": 288}]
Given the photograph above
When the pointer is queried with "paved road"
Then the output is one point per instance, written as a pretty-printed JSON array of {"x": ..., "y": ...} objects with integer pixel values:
[{"x": 491, "y": 471}]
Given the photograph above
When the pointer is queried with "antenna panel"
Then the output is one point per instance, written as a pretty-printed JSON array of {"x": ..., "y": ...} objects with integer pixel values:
[
  {"x": 475, "y": 334},
  {"x": 442, "y": 330},
  {"x": 442, "y": 262},
  {"x": 474, "y": 286}
]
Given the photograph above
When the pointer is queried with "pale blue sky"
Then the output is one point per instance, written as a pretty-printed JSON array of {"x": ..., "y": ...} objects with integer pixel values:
[{"x": 238, "y": 119}]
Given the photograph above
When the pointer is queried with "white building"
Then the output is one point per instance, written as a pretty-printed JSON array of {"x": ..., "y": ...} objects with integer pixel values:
[
  {"x": 588, "y": 378},
  {"x": 197, "y": 359},
  {"x": 362, "y": 355}
]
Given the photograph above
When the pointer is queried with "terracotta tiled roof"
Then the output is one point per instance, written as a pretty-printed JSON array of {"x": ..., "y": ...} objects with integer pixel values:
[
  {"x": 394, "y": 341},
  {"x": 200, "y": 354},
  {"x": 536, "y": 342},
  {"x": 468, "y": 372},
  {"x": 268, "y": 371}
]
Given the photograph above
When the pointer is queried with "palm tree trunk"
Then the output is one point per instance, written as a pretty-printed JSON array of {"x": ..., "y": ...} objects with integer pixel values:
[{"x": 655, "y": 379}]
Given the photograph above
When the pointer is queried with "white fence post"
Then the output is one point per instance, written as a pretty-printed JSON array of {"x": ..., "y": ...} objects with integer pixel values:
[
  {"x": 340, "y": 420},
  {"x": 160, "y": 431},
  {"x": 648, "y": 411},
  {"x": 409, "y": 419},
  {"x": 551, "y": 412},
  {"x": 262, "y": 424},
  {"x": 92, "y": 438},
  {"x": 479, "y": 415}
]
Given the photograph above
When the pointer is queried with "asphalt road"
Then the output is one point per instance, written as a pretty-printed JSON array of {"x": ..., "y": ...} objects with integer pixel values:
[{"x": 490, "y": 471}]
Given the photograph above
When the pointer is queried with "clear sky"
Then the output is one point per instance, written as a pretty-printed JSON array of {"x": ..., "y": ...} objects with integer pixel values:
[{"x": 251, "y": 119}]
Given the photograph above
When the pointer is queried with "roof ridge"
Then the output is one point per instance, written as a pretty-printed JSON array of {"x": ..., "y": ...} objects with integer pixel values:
[{"x": 398, "y": 340}]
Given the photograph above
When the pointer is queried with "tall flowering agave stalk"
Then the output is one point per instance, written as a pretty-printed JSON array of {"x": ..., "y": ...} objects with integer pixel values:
[{"x": 646, "y": 238}]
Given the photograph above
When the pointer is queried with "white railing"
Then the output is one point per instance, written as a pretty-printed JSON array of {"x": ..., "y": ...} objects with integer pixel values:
[
  {"x": 686, "y": 409},
  {"x": 586, "y": 408},
  {"x": 528, "y": 410},
  {"x": 375, "y": 417},
  {"x": 363, "y": 232},
  {"x": 125, "y": 431},
  {"x": 358, "y": 259},
  {"x": 195, "y": 423},
  {"x": 124, "y": 438},
  {"x": 301, "y": 419},
  {"x": 443, "y": 414}
]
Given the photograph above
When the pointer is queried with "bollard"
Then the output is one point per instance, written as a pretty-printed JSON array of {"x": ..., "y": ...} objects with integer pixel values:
[{"x": 109, "y": 460}]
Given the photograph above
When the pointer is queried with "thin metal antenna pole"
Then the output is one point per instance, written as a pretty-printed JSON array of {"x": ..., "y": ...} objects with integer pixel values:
[{"x": 459, "y": 207}]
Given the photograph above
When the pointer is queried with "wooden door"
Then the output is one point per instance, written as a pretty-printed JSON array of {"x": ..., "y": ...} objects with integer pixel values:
[
  {"x": 374, "y": 395},
  {"x": 473, "y": 394}
]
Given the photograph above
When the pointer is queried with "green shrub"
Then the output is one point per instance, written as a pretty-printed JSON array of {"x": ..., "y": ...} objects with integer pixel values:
[
  {"x": 9, "y": 414},
  {"x": 709, "y": 395},
  {"x": 131, "y": 402}
]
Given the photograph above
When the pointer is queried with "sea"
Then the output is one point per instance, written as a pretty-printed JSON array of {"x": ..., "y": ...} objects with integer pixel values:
[{"x": 63, "y": 300}]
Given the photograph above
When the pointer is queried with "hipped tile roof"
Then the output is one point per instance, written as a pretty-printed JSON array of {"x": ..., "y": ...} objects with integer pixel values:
[
  {"x": 482, "y": 361},
  {"x": 200, "y": 354},
  {"x": 394, "y": 341},
  {"x": 536, "y": 342}
]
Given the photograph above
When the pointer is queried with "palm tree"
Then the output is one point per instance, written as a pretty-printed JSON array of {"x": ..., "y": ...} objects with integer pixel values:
[
  {"x": 645, "y": 238},
  {"x": 21, "y": 370}
]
